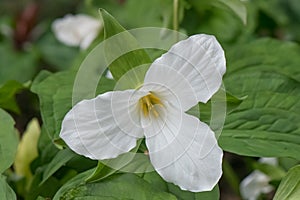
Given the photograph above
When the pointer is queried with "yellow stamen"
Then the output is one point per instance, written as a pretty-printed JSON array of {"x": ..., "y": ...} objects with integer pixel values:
[{"x": 147, "y": 104}]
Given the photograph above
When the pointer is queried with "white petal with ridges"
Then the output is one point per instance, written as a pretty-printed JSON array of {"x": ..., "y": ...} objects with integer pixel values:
[
  {"x": 103, "y": 127},
  {"x": 185, "y": 152},
  {"x": 199, "y": 59}
]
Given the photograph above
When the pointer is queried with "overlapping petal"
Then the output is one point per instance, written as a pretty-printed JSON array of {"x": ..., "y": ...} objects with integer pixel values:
[
  {"x": 184, "y": 151},
  {"x": 102, "y": 127},
  {"x": 199, "y": 59}
]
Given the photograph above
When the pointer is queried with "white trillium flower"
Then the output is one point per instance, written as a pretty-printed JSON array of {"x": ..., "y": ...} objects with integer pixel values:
[
  {"x": 257, "y": 183},
  {"x": 182, "y": 149},
  {"x": 76, "y": 30}
]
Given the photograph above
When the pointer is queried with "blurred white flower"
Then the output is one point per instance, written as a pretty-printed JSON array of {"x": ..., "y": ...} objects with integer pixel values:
[
  {"x": 257, "y": 182},
  {"x": 76, "y": 30},
  {"x": 182, "y": 149}
]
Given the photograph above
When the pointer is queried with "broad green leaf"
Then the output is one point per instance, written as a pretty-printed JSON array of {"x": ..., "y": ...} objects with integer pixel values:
[
  {"x": 72, "y": 184},
  {"x": 6, "y": 193},
  {"x": 122, "y": 50},
  {"x": 8, "y": 141},
  {"x": 56, "y": 54},
  {"x": 42, "y": 75},
  {"x": 214, "y": 111},
  {"x": 55, "y": 95},
  {"x": 8, "y": 93},
  {"x": 108, "y": 167},
  {"x": 124, "y": 186},
  {"x": 209, "y": 195},
  {"x": 266, "y": 122},
  {"x": 238, "y": 7},
  {"x": 60, "y": 159},
  {"x": 263, "y": 55},
  {"x": 182, "y": 195},
  {"x": 218, "y": 19},
  {"x": 154, "y": 179},
  {"x": 17, "y": 65},
  {"x": 289, "y": 187}
]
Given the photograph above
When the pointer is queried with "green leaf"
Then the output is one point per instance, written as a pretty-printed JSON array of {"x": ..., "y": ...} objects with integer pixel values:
[
  {"x": 60, "y": 159},
  {"x": 124, "y": 186},
  {"x": 55, "y": 95},
  {"x": 17, "y": 65},
  {"x": 122, "y": 51},
  {"x": 218, "y": 19},
  {"x": 47, "y": 189},
  {"x": 8, "y": 93},
  {"x": 274, "y": 172},
  {"x": 72, "y": 184},
  {"x": 42, "y": 75},
  {"x": 209, "y": 195},
  {"x": 182, "y": 195},
  {"x": 214, "y": 111},
  {"x": 6, "y": 193},
  {"x": 266, "y": 122},
  {"x": 156, "y": 181},
  {"x": 289, "y": 187},
  {"x": 238, "y": 7},
  {"x": 8, "y": 142},
  {"x": 124, "y": 162},
  {"x": 263, "y": 55},
  {"x": 56, "y": 54}
]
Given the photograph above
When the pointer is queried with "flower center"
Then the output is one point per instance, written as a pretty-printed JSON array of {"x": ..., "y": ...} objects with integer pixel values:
[{"x": 147, "y": 104}]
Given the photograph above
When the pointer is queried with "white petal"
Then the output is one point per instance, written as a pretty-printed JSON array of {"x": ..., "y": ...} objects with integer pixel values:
[
  {"x": 255, "y": 184},
  {"x": 199, "y": 59},
  {"x": 184, "y": 151},
  {"x": 171, "y": 86},
  {"x": 103, "y": 127}
]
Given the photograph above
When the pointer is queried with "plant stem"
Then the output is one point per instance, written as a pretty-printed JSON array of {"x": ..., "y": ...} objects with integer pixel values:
[{"x": 175, "y": 17}]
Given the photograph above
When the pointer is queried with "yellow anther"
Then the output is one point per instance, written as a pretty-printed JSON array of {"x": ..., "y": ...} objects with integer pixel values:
[{"x": 147, "y": 104}]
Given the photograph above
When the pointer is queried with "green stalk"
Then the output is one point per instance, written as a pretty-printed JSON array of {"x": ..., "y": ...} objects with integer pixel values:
[{"x": 175, "y": 17}]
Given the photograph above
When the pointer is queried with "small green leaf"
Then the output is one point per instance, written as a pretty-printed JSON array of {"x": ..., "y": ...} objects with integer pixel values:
[
  {"x": 60, "y": 159},
  {"x": 8, "y": 93},
  {"x": 108, "y": 167},
  {"x": 289, "y": 187},
  {"x": 274, "y": 172},
  {"x": 9, "y": 141},
  {"x": 6, "y": 193},
  {"x": 122, "y": 51}
]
